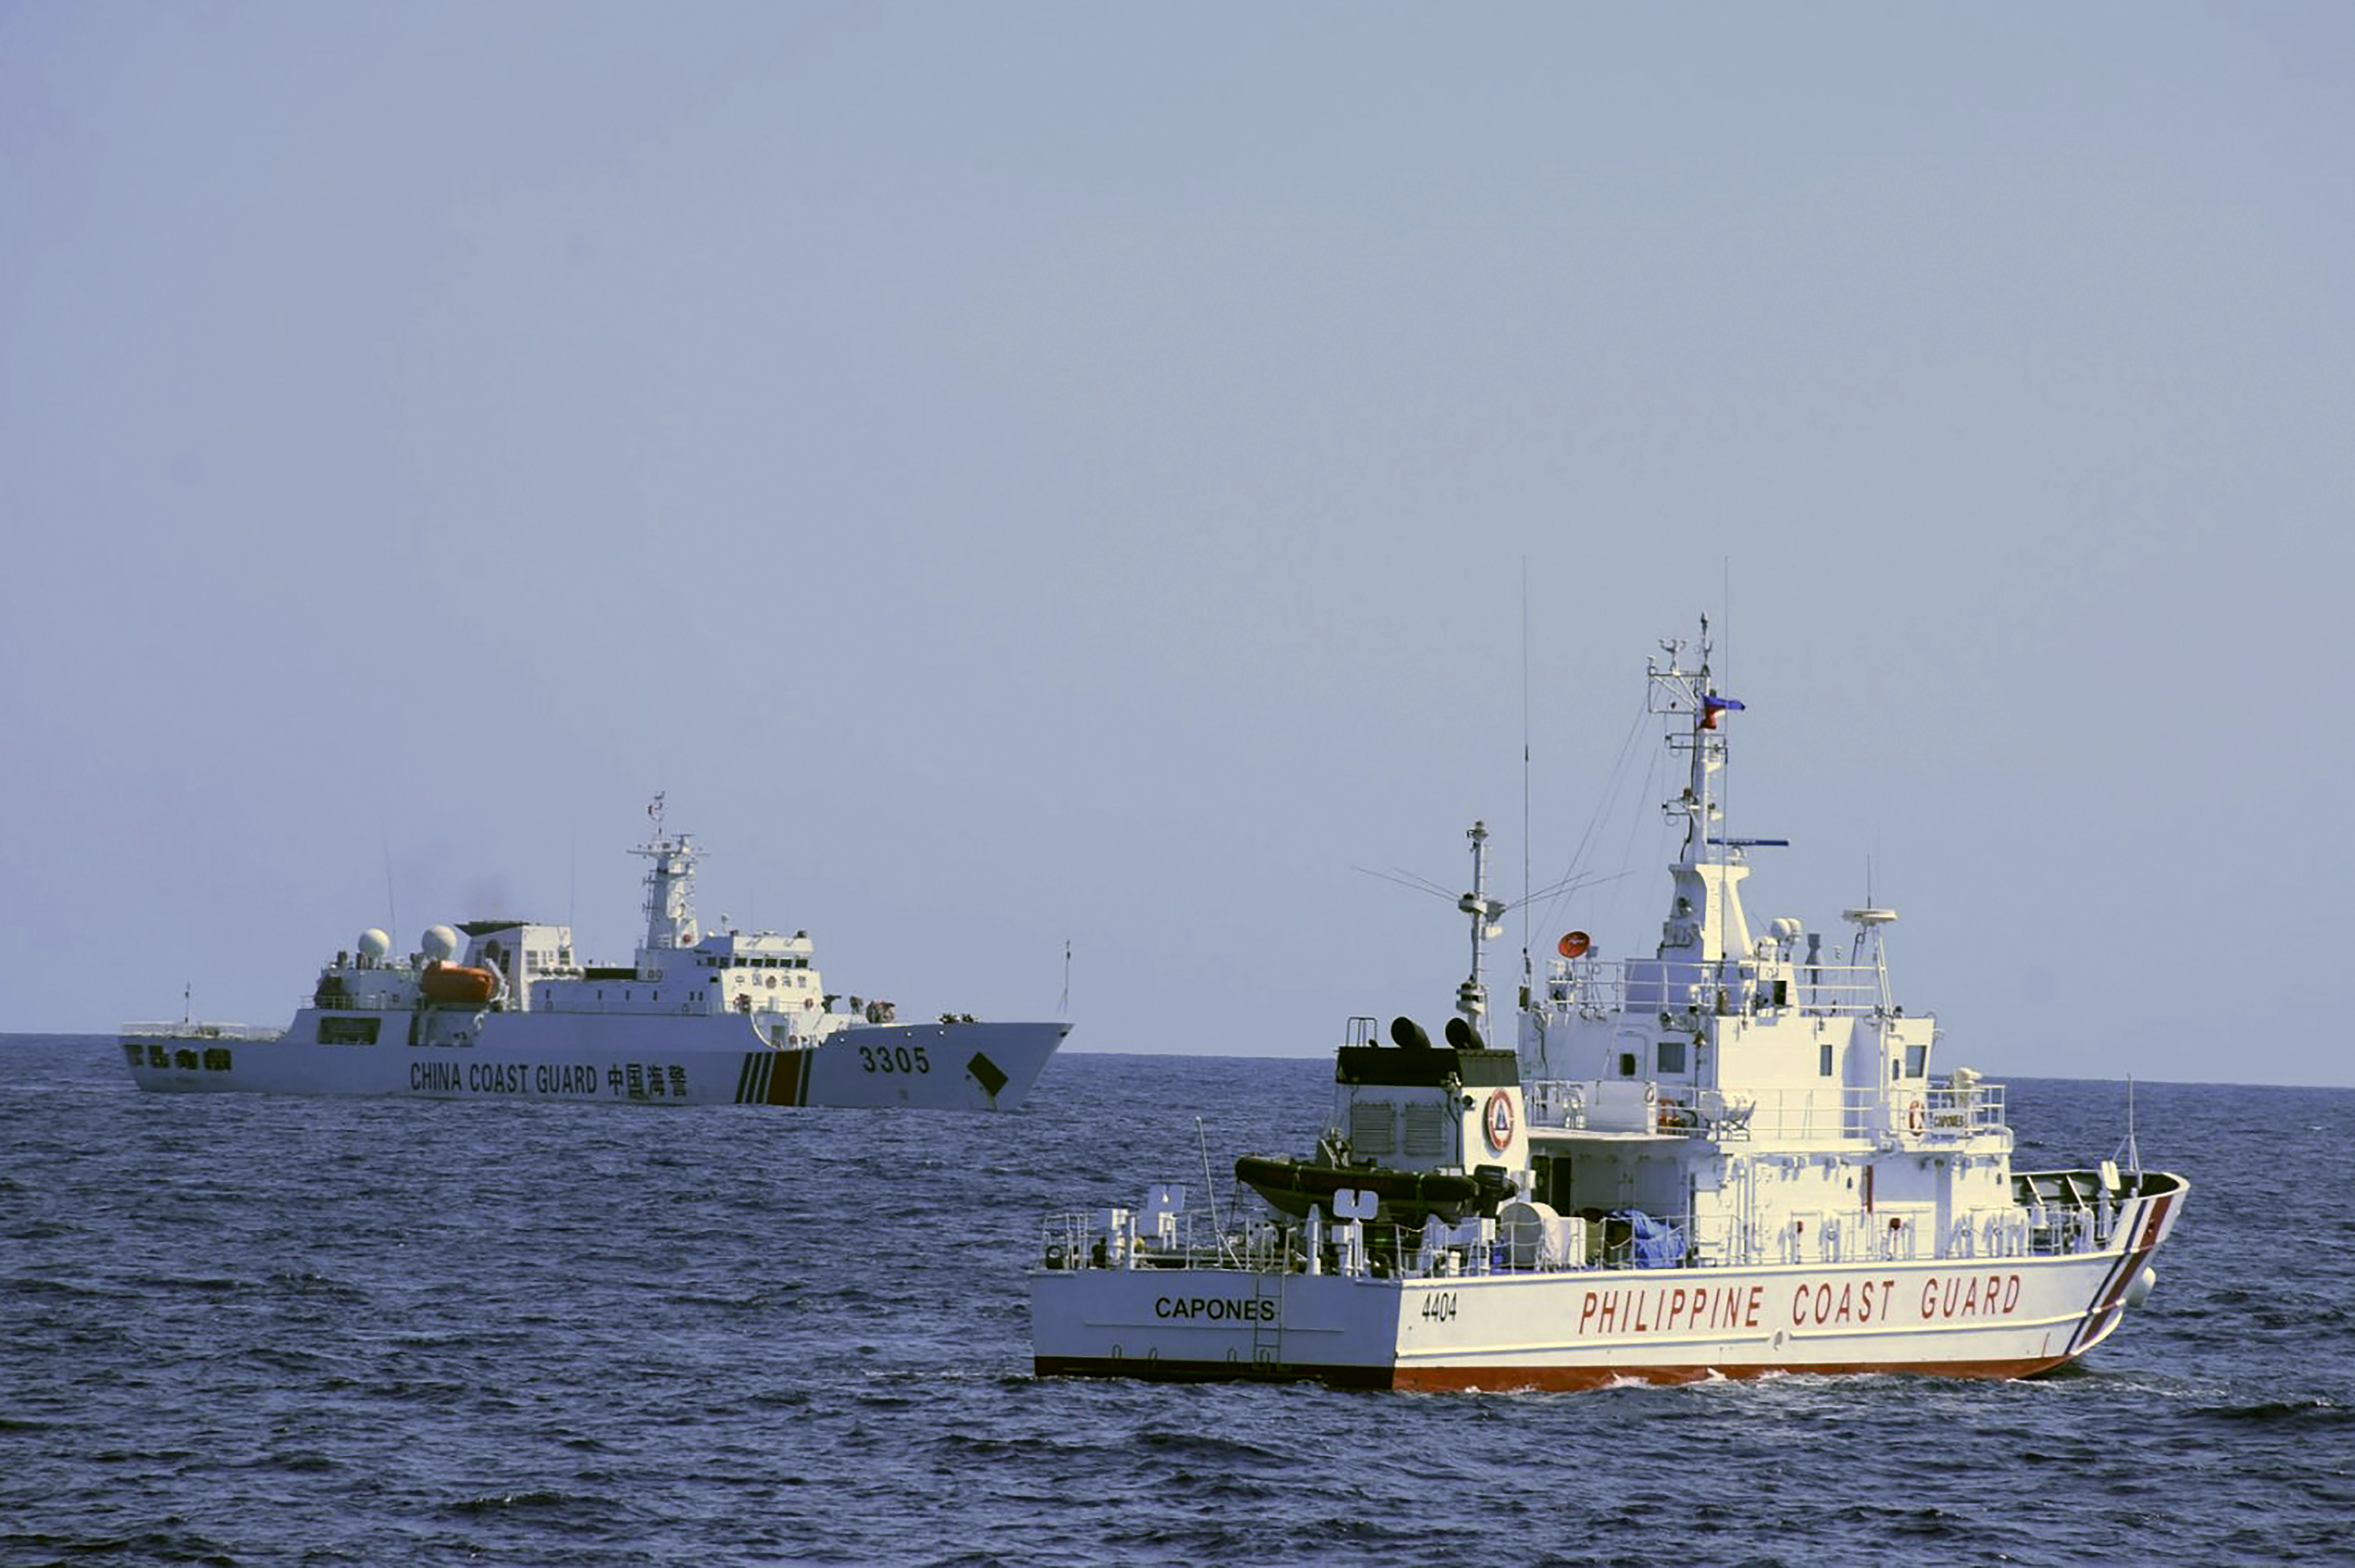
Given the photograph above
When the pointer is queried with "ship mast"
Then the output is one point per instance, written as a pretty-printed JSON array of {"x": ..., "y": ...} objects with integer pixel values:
[
  {"x": 1692, "y": 690},
  {"x": 671, "y": 885},
  {"x": 1705, "y": 922},
  {"x": 1472, "y": 996}
]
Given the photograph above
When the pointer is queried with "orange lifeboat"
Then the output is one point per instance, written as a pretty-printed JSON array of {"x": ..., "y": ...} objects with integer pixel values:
[{"x": 460, "y": 983}]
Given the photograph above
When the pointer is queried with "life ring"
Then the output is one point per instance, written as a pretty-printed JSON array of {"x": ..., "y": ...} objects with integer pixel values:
[
  {"x": 1497, "y": 1120},
  {"x": 1913, "y": 1118}
]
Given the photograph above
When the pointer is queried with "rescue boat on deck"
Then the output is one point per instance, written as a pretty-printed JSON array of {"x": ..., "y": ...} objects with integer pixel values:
[{"x": 1730, "y": 1158}]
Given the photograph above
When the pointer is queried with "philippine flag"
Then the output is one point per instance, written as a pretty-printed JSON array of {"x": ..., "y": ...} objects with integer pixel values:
[{"x": 1712, "y": 705}]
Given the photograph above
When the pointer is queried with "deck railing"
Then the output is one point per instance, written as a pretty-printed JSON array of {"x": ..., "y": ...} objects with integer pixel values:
[
  {"x": 1913, "y": 1111},
  {"x": 183, "y": 1029},
  {"x": 1190, "y": 1238},
  {"x": 1723, "y": 987}
]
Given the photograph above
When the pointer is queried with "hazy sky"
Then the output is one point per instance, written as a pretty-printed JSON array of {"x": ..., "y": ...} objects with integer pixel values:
[{"x": 1024, "y": 474}]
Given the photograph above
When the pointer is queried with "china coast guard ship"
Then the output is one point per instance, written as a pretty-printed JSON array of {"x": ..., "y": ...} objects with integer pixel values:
[
  {"x": 503, "y": 1009},
  {"x": 1728, "y": 1158}
]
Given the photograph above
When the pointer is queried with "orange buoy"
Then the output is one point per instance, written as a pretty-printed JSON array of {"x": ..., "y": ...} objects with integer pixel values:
[{"x": 1575, "y": 945}]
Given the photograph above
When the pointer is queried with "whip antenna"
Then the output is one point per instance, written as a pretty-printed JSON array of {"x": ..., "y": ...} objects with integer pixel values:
[{"x": 1210, "y": 1192}]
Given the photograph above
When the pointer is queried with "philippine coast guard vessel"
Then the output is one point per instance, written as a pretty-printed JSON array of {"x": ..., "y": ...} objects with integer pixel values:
[
  {"x": 1730, "y": 1158},
  {"x": 502, "y": 1010}
]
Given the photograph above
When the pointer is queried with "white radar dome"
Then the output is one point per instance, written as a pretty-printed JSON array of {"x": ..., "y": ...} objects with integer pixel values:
[
  {"x": 440, "y": 942},
  {"x": 374, "y": 944}
]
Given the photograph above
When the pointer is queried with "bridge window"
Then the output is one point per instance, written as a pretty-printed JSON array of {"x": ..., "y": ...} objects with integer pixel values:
[
  {"x": 1672, "y": 1056},
  {"x": 1823, "y": 1060}
]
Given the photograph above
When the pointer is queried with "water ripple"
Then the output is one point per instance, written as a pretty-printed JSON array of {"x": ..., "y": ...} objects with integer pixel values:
[{"x": 262, "y": 1332}]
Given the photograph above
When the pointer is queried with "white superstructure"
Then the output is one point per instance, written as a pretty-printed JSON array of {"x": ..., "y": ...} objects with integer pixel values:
[
  {"x": 502, "y": 1009},
  {"x": 1729, "y": 1157}
]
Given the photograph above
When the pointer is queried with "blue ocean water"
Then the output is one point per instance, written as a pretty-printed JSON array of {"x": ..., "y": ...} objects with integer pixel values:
[{"x": 242, "y": 1329}]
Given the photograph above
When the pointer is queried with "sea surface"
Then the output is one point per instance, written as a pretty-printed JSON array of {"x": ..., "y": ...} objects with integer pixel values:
[{"x": 248, "y": 1329}]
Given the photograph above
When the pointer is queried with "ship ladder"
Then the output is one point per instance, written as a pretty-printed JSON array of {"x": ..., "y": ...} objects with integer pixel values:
[{"x": 1267, "y": 1324}]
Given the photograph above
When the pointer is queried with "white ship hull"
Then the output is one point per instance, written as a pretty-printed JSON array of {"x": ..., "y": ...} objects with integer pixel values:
[
  {"x": 715, "y": 1059},
  {"x": 1584, "y": 1328}
]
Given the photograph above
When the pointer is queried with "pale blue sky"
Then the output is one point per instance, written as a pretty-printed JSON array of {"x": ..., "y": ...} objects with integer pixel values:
[{"x": 1019, "y": 474}]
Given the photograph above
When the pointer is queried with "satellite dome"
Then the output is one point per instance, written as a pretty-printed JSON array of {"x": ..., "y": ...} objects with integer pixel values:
[
  {"x": 374, "y": 944},
  {"x": 440, "y": 942}
]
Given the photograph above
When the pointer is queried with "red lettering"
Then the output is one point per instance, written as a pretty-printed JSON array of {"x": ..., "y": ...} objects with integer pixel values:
[
  {"x": 1610, "y": 1309},
  {"x": 1799, "y": 1305},
  {"x": 1586, "y": 1312},
  {"x": 1970, "y": 1296},
  {"x": 1845, "y": 1304},
  {"x": 1676, "y": 1306},
  {"x": 1757, "y": 1296},
  {"x": 1636, "y": 1323},
  {"x": 1824, "y": 1302},
  {"x": 1888, "y": 1298}
]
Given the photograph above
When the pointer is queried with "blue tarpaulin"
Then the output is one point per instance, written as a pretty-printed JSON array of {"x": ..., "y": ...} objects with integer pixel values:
[{"x": 1652, "y": 1243}]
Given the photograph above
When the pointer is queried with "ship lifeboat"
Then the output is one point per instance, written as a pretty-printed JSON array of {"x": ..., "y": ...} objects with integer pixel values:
[
  {"x": 1294, "y": 1185},
  {"x": 459, "y": 983}
]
